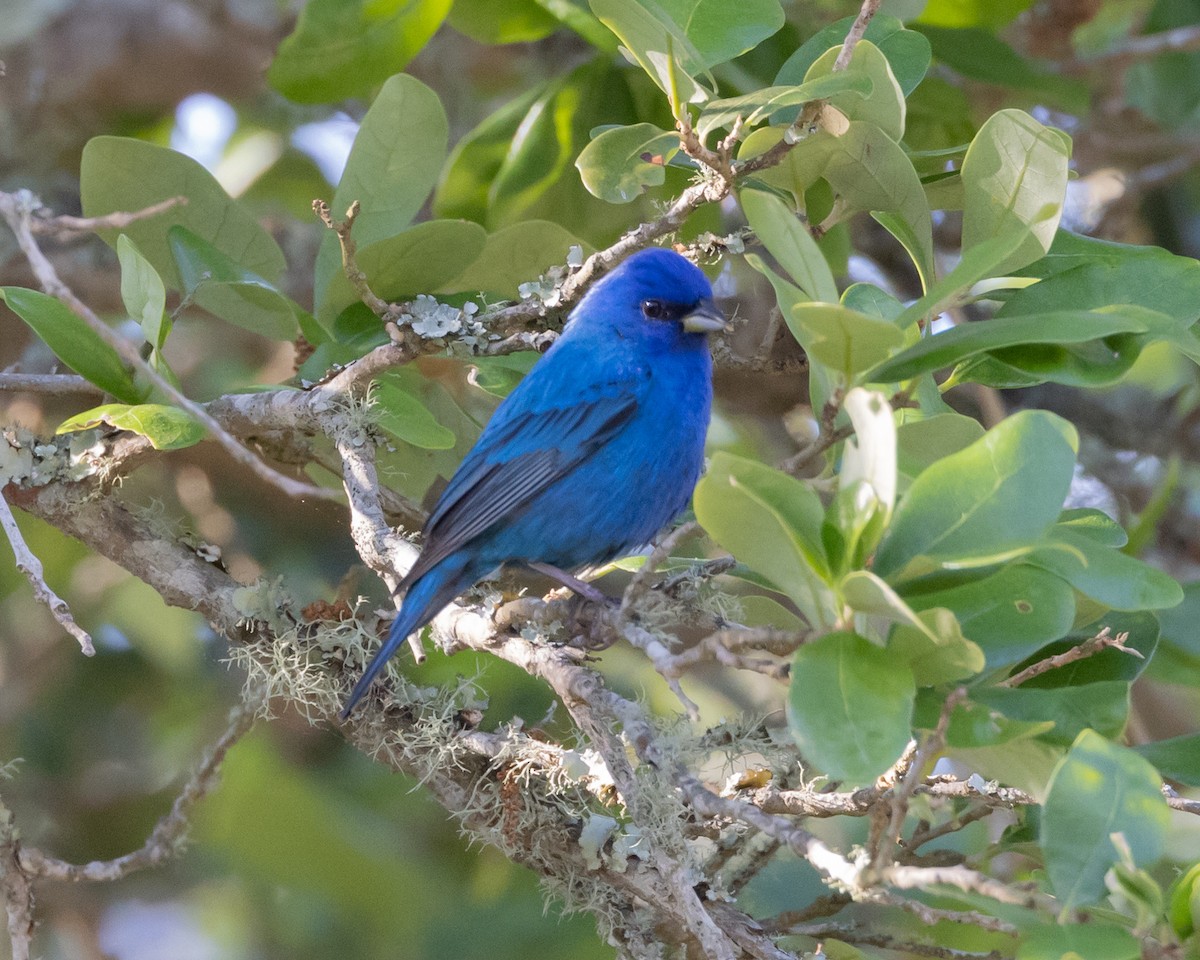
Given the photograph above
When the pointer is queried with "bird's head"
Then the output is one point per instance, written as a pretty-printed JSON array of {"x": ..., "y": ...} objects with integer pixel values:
[{"x": 656, "y": 297}]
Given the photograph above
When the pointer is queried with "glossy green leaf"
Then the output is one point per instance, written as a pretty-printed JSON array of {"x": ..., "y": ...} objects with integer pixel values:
[
  {"x": 502, "y": 21},
  {"x": 1099, "y": 789},
  {"x": 118, "y": 174},
  {"x": 407, "y": 418},
  {"x": 937, "y": 653},
  {"x": 1103, "y": 707},
  {"x": 394, "y": 163},
  {"x": 420, "y": 259},
  {"x": 167, "y": 428},
  {"x": 869, "y": 299},
  {"x": 907, "y": 51},
  {"x": 1185, "y": 902},
  {"x": 973, "y": 725},
  {"x": 226, "y": 289},
  {"x": 1093, "y": 941},
  {"x": 843, "y": 339},
  {"x": 1107, "y": 575},
  {"x": 515, "y": 255},
  {"x": 143, "y": 293},
  {"x": 975, "y": 264},
  {"x": 73, "y": 342},
  {"x": 676, "y": 41},
  {"x": 755, "y": 107},
  {"x": 1010, "y": 614},
  {"x": 883, "y": 106},
  {"x": 771, "y": 522},
  {"x": 850, "y": 706},
  {"x": 1003, "y": 491},
  {"x": 620, "y": 163},
  {"x": 959, "y": 343},
  {"x": 1014, "y": 174},
  {"x": 788, "y": 240},
  {"x": 1177, "y": 758},
  {"x": 346, "y": 48},
  {"x": 922, "y": 442}
]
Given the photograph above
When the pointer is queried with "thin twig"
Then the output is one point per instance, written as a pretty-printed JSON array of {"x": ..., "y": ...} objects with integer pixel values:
[
  {"x": 54, "y": 383},
  {"x": 865, "y": 14},
  {"x": 169, "y": 834},
  {"x": 31, "y": 566},
  {"x": 16, "y": 211},
  {"x": 931, "y": 747},
  {"x": 1176, "y": 802},
  {"x": 65, "y": 225},
  {"x": 387, "y": 312},
  {"x": 1089, "y": 648}
]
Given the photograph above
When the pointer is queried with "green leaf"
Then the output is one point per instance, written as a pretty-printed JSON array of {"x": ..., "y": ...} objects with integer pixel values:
[
  {"x": 1010, "y": 614},
  {"x": 1184, "y": 911},
  {"x": 1103, "y": 707},
  {"x": 118, "y": 174},
  {"x": 143, "y": 293},
  {"x": 1097, "y": 790},
  {"x": 167, "y": 428},
  {"x": 922, "y": 442},
  {"x": 937, "y": 653},
  {"x": 1014, "y": 173},
  {"x": 821, "y": 381},
  {"x": 513, "y": 256},
  {"x": 907, "y": 51},
  {"x": 227, "y": 290},
  {"x": 870, "y": 171},
  {"x": 850, "y": 706},
  {"x": 975, "y": 263},
  {"x": 499, "y": 376},
  {"x": 404, "y": 416},
  {"x": 676, "y": 41},
  {"x": 394, "y": 163},
  {"x": 73, "y": 342},
  {"x": 423, "y": 258},
  {"x": 982, "y": 55},
  {"x": 972, "y": 13},
  {"x": 1095, "y": 941},
  {"x": 502, "y": 21},
  {"x": 843, "y": 339},
  {"x": 771, "y": 522},
  {"x": 755, "y": 107},
  {"x": 790, "y": 243},
  {"x": 1175, "y": 758},
  {"x": 620, "y": 163},
  {"x": 346, "y": 48},
  {"x": 884, "y": 106},
  {"x": 967, "y": 340},
  {"x": 869, "y": 299},
  {"x": 1003, "y": 491},
  {"x": 1142, "y": 630},
  {"x": 1107, "y": 575}
]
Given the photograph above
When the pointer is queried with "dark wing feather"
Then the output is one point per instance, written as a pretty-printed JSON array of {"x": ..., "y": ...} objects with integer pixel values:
[{"x": 485, "y": 489}]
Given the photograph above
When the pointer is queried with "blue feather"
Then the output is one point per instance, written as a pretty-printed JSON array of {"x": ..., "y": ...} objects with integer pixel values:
[{"x": 593, "y": 453}]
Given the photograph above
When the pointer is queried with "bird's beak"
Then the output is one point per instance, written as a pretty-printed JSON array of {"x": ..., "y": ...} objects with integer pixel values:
[{"x": 706, "y": 318}]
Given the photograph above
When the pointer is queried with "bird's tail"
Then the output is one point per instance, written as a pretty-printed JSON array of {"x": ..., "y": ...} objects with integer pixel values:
[{"x": 423, "y": 601}]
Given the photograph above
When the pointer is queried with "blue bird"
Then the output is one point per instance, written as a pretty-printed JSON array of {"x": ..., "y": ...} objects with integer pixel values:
[{"x": 594, "y": 452}]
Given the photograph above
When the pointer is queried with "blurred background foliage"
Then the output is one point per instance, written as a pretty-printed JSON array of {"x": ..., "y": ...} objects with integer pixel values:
[{"x": 307, "y": 849}]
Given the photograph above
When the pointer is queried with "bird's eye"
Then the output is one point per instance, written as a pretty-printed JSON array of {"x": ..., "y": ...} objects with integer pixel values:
[{"x": 655, "y": 310}]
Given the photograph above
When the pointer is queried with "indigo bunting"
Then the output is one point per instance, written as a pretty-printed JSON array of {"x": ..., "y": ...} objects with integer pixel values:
[{"x": 594, "y": 452}]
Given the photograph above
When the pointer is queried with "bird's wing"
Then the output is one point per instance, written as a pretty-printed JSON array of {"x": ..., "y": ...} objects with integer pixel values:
[{"x": 493, "y": 481}]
